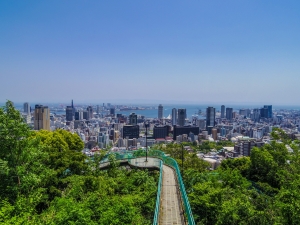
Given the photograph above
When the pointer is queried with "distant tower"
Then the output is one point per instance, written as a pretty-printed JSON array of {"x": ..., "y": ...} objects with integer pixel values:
[
  {"x": 112, "y": 111},
  {"x": 256, "y": 115},
  {"x": 210, "y": 117},
  {"x": 69, "y": 113},
  {"x": 132, "y": 119},
  {"x": 90, "y": 112},
  {"x": 41, "y": 117},
  {"x": 229, "y": 113},
  {"x": 73, "y": 108},
  {"x": 174, "y": 116},
  {"x": 160, "y": 111},
  {"x": 26, "y": 108},
  {"x": 270, "y": 112},
  {"x": 222, "y": 111},
  {"x": 181, "y": 117}
]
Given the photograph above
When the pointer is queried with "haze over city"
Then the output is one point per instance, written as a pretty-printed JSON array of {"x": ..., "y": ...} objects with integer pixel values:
[{"x": 150, "y": 51}]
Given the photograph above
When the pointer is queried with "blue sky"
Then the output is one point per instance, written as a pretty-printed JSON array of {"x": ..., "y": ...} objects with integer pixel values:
[{"x": 150, "y": 51}]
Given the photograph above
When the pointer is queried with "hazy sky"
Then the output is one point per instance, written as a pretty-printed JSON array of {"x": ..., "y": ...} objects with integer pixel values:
[{"x": 150, "y": 51}]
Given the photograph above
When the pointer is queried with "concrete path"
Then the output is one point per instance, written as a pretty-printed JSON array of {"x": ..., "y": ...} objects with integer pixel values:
[
  {"x": 171, "y": 210},
  {"x": 141, "y": 162}
]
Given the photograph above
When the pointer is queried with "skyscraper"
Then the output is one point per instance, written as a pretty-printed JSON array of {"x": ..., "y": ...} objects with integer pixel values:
[
  {"x": 132, "y": 119},
  {"x": 270, "y": 112},
  {"x": 90, "y": 112},
  {"x": 210, "y": 117},
  {"x": 41, "y": 117},
  {"x": 264, "y": 112},
  {"x": 160, "y": 111},
  {"x": 73, "y": 108},
  {"x": 181, "y": 117},
  {"x": 229, "y": 113},
  {"x": 222, "y": 111},
  {"x": 26, "y": 107},
  {"x": 112, "y": 111},
  {"x": 69, "y": 113},
  {"x": 174, "y": 116}
]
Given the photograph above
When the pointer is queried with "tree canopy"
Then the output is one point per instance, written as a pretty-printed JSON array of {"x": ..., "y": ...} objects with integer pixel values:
[{"x": 45, "y": 179}]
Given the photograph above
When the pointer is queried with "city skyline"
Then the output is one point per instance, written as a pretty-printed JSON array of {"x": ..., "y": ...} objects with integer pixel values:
[{"x": 150, "y": 52}]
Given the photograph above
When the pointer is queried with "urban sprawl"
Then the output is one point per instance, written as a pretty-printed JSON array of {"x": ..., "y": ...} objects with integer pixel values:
[{"x": 105, "y": 127}]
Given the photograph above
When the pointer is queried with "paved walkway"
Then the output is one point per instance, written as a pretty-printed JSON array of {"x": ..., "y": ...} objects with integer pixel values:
[
  {"x": 141, "y": 162},
  {"x": 170, "y": 207},
  {"x": 170, "y": 211}
]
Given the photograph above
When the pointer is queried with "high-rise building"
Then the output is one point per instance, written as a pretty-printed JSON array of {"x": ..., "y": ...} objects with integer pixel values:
[
  {"x": 133, "y": 119},
  {"x": 264, "y": 112},
  {"x": 174, "y": 116},
  {"x": 229, "y": 113},
  {"x": 256, "y": 115},
  {"x": 79, "y": 115},
  {"x": 214, "y": 133},
  {"x": 90, "y": 112},
  {"x": 85, "y": 115},
  {"x": 74, "y": 110},
  {"x": 41, "y": 117},
  {"x": 112, "y": 111},
  {"x": 270, "y": 112},
  {"x": 69, "y": 113},
  {"x": 160, "y": 111},
  {"x": 222, "y": 111},
  {"x": 210, "y": 117},
  {"x": 181, "y": 117},
  {"x": 26, "y": 108}
]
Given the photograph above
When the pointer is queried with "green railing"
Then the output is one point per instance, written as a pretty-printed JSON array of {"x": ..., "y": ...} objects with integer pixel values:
[
  {"x": 157, "y": 205},
  {"x": 170, "y": 162}
]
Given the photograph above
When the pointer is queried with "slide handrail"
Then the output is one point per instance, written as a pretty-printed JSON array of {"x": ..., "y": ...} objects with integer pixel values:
[{"x": 168, "y": 161}]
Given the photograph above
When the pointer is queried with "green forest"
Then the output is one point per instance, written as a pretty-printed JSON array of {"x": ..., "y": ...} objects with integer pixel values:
[
  {"x": 45, "y": 179},
  {"x": 261, "y": 189}
]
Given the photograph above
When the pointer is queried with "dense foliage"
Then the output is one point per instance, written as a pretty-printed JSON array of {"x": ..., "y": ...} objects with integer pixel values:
[
  {"x": 45, "y": 179},
  {"x": 261, "y": 189}
]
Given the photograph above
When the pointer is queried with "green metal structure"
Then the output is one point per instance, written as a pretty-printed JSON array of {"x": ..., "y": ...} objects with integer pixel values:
[{"x": 167, "y": 161}]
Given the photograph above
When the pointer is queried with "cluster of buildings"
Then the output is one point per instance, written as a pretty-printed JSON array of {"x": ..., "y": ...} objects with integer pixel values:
[{"x": 103, "y": 127}]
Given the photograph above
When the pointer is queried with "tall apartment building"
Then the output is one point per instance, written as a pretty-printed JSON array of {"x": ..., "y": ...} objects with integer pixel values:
[
  {"x": 90, "y": 112},
  {"x": 181, "y": 117},
  {"x": 160, "y": 111},
  {"x": 210, "y": 118},
  {"x": 69, "y": 113},
  {"x": 269, "y": 111},
  {"x": 222, "y": 111},
  {"x": 112, "y": 111},
  {"x": 26, "y": 107},
  {"x": 174, "y": 116},
  {"x": 41, "y": 117},
  {"x": 229, "y": 113},
  {"x": 132, "y": 119}
]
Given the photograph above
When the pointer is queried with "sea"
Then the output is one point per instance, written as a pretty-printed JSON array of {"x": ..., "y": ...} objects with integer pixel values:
[
  {"x": 191, "y": 110},
  {"x": 197, "y": 110}
]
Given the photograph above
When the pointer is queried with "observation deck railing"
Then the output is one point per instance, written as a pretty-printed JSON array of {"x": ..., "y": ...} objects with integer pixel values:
[{"x": 168, "y": 161}]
